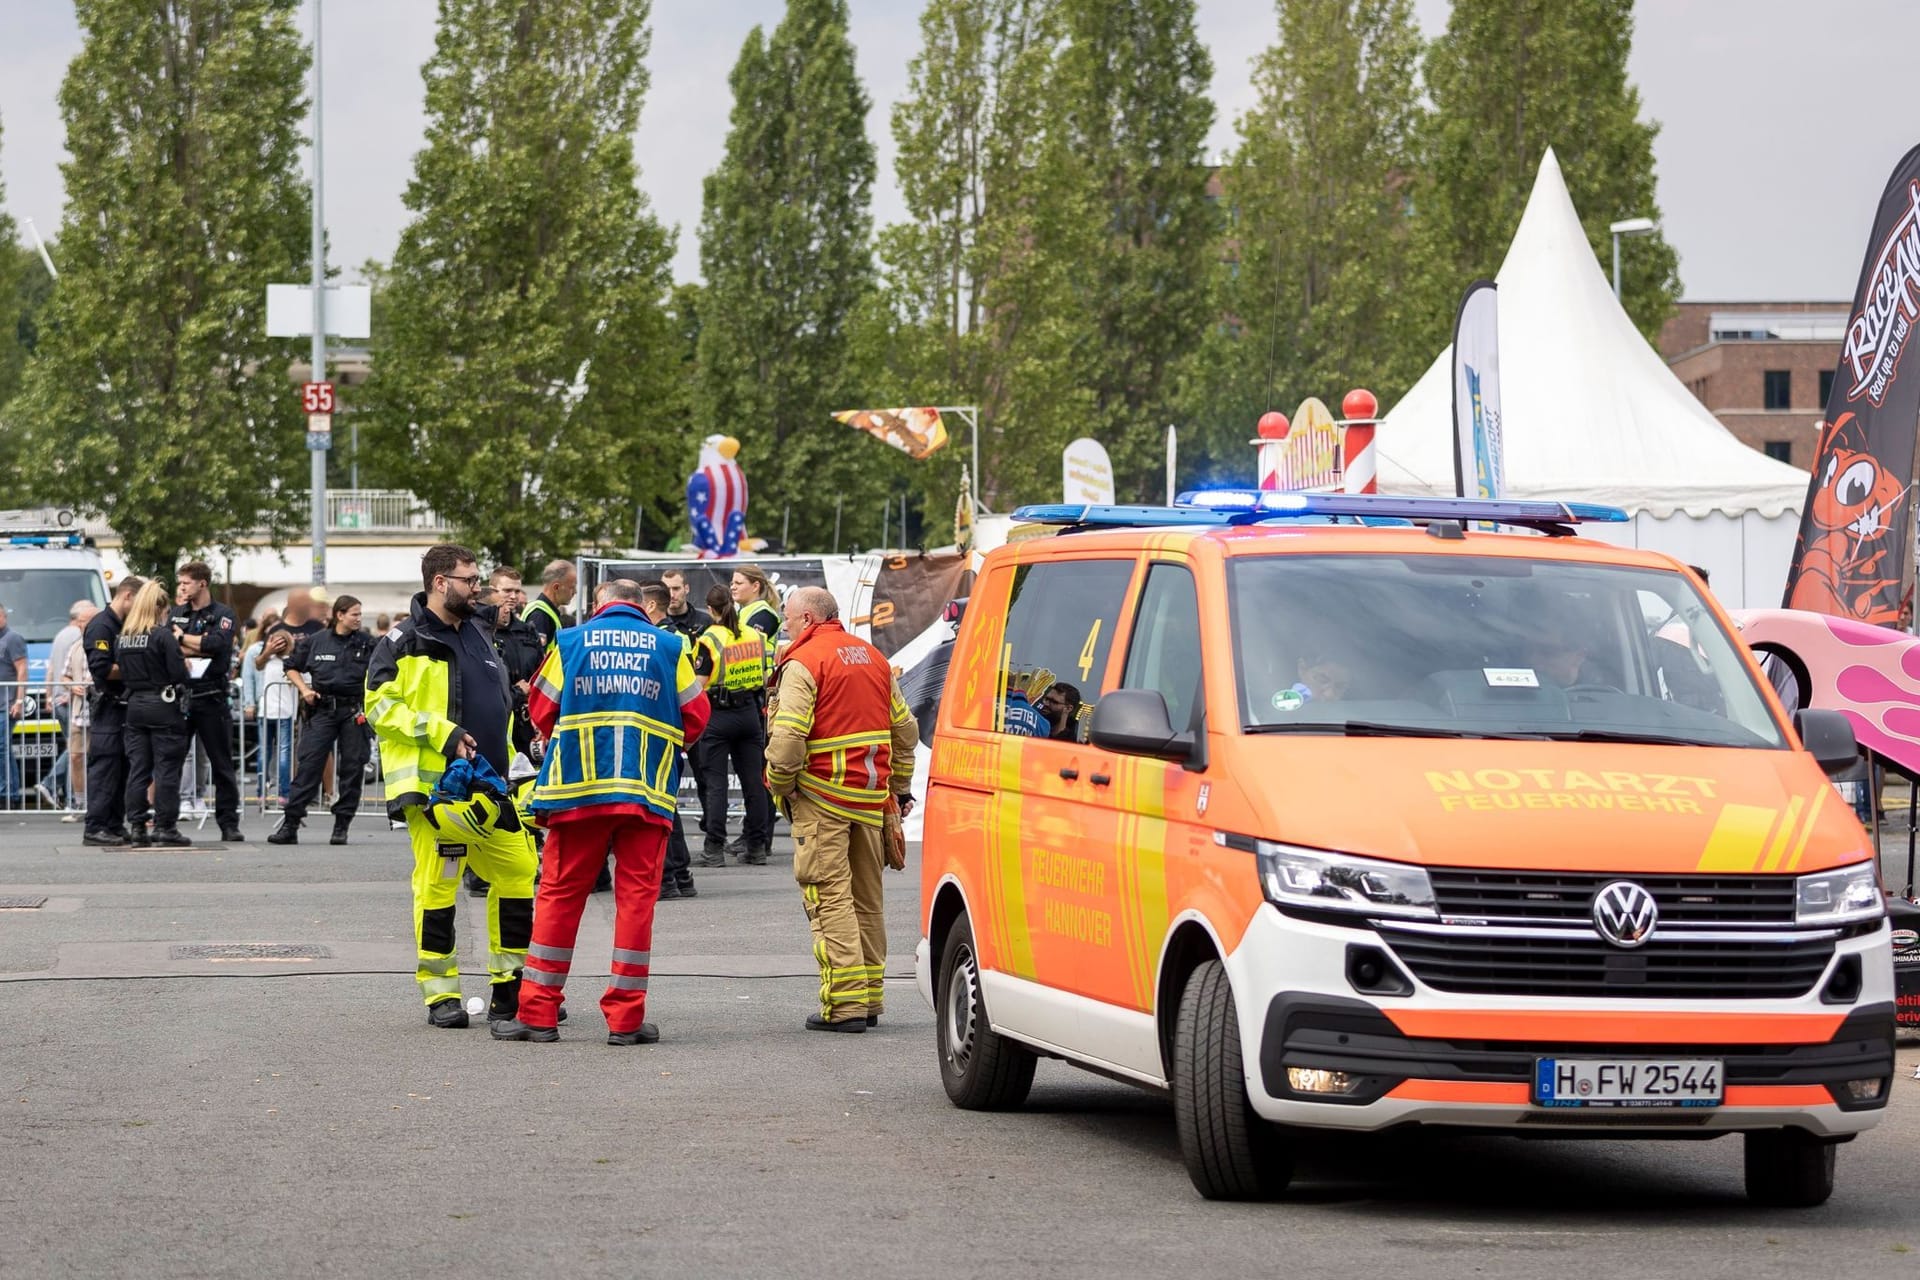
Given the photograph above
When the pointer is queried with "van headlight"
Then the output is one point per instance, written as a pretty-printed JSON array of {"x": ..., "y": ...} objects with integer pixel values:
[
  {"x": 1840, "y": 896},
  {"x": 1315, "y": 879}
]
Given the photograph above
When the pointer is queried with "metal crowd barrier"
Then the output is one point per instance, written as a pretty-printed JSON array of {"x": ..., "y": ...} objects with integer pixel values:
[
  {"x": 43, "y": 757},
  {"x": 37, "y": 751},
  {"x": 274, "y": 742}
]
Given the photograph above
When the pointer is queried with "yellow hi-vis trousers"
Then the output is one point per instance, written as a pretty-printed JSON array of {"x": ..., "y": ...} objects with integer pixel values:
[
  {"x": 838, "y": 862},
  {"x": 444, "y": 837}
]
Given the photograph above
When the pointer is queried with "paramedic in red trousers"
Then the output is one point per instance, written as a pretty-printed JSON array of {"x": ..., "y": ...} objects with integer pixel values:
[{"x": 616, "y": 700}]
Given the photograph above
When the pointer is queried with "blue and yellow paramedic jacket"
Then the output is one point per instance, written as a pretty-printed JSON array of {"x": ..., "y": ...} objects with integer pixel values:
[{"x": 616, "y": 700}]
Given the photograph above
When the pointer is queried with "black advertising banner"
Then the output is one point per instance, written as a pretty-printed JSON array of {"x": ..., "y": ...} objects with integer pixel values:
[
  {"x": 1852, "y": 555},
  {"x": 910, "y": 593}
]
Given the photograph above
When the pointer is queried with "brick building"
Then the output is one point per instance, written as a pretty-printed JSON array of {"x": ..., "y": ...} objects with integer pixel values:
[{"x": 1762, "y": 368}]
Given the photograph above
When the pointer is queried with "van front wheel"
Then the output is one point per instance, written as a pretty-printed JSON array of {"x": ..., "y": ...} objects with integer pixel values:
[
  {"x": 981, "y": 1069},
  {"x": 1789, "y": 1169},
  {"x": 1230, "y": 1152}
]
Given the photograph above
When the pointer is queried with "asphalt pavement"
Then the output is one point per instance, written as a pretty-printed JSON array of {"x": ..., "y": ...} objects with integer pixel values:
[{"x": 167, "y": 1114}]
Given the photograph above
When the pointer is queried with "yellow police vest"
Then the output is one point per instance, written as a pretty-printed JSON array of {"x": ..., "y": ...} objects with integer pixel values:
[{"x": 741, "y": 659}]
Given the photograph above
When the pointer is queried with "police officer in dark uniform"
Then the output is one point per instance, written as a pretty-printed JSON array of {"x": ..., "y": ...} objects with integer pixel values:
[
  {"x": 558, "y": 582},
  {"x": 157, "y": 735},
  {"x": 207, "y": 629},
  {"x": 522, "y": 647},
  {"x": 106, "y": 738},
  {"x": 328, "y": 670}
]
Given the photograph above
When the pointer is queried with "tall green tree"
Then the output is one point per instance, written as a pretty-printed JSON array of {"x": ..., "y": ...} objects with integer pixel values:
[
  {"x": 1131, "y": 99},
  {"x": 1322, "y": 282},
  {"x": 155, "y": 397},
  {"x": 784, "y": 248},
  {"x": 527, "y": 352},
  {"x": 981, "y": 279},
  {"x": 1509, "y": 79}
]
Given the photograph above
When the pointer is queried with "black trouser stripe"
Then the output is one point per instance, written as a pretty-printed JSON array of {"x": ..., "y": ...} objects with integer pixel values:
[{"x": 436, "y": 929}]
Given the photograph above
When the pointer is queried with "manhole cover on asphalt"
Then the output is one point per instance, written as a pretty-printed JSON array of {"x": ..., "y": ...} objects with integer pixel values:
[
  {"x": 21, "y": 904},
  {"x": 249, "y": 951}
]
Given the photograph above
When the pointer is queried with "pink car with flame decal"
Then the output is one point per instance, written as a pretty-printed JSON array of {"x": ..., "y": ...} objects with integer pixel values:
[{"x": 1871, "y": 674}]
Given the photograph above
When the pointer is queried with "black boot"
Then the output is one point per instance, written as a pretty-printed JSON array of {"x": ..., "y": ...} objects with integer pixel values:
[
  {"x": 757, "y": 855},
  {"x": 713, "y": 853},
  {"x": 171, "y": 838},
  {"x": 449, "y": 1014},
  {"x": 288, "y": 832},
  {"x": 140, "y": 837},
  {"x": 514, "y": 1029},
  {"x": 340, "y": 826},
  {"x": 817, "y": 1023},
  {"x": 738, "y": 847},
  {"x": 230, "y": 833},
  {"x": 505, "y": 1004},
  {"x": 668, "y": 890},
  {"x": 685, "y": 885},
  {"x": 645, "y": 1033}
]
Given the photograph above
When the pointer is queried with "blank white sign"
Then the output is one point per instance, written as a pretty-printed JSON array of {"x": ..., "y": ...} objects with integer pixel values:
[{"x": 290, "y": 311}]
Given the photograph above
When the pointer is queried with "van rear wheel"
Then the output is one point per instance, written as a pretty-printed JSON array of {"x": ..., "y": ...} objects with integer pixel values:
[
  {"x": 981, "y": 1069},
  {"x": 1789, "y": 1169},
  {"x": 1230, "y": 1152}
]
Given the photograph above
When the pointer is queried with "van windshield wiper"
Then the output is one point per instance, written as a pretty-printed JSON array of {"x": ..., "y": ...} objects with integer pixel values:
[
  {"x": 1381, "y": 729},
  {"x": 1634, "y": 735}
]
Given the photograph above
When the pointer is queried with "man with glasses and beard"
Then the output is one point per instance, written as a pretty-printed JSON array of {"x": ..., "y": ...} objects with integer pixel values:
[{"x": 438, "y": 698}]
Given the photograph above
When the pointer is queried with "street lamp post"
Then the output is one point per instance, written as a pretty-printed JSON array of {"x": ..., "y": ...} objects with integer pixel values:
[
  {"x": 318, "y": 471},
  {"x": 970, "y": 414},
  {"x": 1627, "y": 227}
]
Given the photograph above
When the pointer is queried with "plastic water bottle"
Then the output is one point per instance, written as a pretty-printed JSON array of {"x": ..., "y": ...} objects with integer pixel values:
[{"x": 475, "y": 1006}]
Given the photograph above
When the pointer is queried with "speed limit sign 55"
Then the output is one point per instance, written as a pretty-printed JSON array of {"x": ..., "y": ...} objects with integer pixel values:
[{"x": 316, "y": 397}]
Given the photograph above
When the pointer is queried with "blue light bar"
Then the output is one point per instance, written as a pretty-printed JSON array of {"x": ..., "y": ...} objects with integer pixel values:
[
  {"x": 1070, "y": 513},
  {"x": 41, "y": 540},
  {"x": 1216, "y": 508},
  {"x": 1496, "y": 510}
]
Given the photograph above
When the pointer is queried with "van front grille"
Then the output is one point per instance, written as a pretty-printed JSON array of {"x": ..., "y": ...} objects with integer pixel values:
[
  {"x": 1553, "y": 898},
  {"x": 1465, "y": 960}
]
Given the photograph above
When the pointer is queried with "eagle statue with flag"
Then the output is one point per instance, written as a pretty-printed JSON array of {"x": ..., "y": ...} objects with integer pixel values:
[{"x": 717, "y": 499}]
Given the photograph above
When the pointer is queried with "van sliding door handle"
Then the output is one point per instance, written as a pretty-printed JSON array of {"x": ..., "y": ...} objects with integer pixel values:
[
  {"x": 1069, "y": 774},
  {"x": 1100, "y": 779}
]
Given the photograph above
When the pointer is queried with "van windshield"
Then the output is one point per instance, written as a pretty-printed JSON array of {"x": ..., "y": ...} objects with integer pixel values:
[
  {"x": 1484, "y": 646},
  {"x": 37, "y": 599}
]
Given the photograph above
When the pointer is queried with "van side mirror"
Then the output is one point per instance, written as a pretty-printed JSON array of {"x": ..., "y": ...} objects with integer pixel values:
[
  {"x": 1135, "y": 722},
  {"x": 1828, "y": 735}
]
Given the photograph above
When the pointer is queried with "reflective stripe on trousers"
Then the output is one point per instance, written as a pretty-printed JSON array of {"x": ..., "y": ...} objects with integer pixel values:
[
  {"x": 577, "y": 848},
  {"x": 505, "y": 859}
]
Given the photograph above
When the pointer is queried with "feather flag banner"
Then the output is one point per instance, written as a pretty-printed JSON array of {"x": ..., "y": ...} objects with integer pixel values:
[{"x": 915, "y": 432}]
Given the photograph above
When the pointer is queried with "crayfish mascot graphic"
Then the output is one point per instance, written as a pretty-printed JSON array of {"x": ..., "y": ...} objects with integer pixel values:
[{"x": 1849, "y": 555}]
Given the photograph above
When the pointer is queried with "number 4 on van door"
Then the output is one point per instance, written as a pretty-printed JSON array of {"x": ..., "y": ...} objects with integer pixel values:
[{"x": 1086, "y": 650}]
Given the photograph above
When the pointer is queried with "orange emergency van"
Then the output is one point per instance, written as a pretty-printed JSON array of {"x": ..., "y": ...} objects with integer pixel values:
[{"x": 1338, "y": 812}]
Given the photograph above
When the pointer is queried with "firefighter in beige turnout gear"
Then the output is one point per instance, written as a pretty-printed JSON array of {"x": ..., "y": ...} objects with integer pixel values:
[{"x": 842, "y": 739}]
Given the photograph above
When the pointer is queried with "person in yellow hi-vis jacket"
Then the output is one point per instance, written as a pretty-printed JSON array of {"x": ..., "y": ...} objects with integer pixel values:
[
  {"x": 437, "y": 694},
  {"x": 842, "y": 738}
]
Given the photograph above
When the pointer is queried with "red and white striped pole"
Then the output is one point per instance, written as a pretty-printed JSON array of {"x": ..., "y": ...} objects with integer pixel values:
[
  {"x": 1361, "y": 410},
  {"x": 1272, "y": 445}
]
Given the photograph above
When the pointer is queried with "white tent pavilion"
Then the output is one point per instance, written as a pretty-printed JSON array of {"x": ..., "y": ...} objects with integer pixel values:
[{"x": 1592, "y": 414}]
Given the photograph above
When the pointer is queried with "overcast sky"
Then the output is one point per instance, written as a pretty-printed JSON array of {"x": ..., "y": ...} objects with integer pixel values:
[{"x": 1780, "y": 119}]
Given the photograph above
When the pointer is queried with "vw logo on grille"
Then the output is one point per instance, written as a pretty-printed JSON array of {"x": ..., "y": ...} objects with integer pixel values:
[{"x": 1624, "y": 913}]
